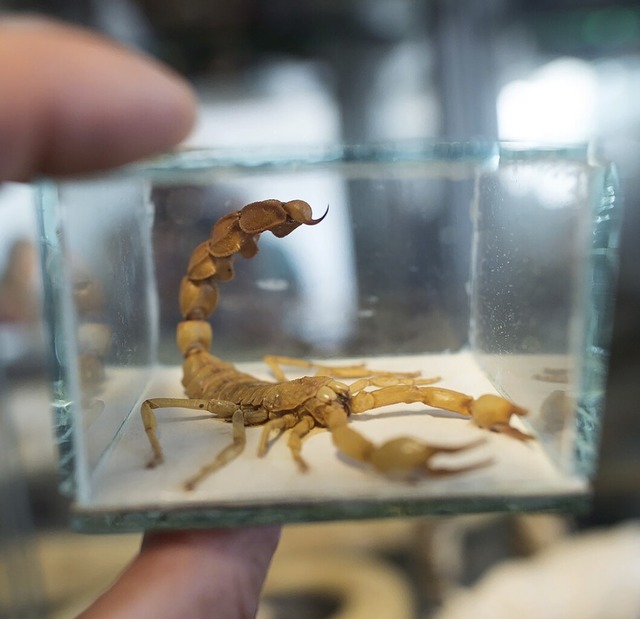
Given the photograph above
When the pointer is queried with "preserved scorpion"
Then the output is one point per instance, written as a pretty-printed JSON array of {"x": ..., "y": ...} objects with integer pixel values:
[{"x": 302, "y": 404}]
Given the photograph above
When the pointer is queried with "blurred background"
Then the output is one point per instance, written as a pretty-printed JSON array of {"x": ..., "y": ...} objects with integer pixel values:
[{"x": 357, "y": 71}]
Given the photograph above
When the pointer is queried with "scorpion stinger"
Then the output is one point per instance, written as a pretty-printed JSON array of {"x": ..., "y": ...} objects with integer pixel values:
[{"x": 302, "y": 404}]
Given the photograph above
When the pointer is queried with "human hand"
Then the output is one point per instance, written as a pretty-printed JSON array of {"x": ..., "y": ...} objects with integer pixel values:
[
  {"x": 215, "y": 573},
  {"x": 72, "y": 103}
]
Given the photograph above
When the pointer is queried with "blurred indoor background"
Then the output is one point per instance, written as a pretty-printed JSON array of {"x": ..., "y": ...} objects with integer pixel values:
[{"x": 353, "y": 71}]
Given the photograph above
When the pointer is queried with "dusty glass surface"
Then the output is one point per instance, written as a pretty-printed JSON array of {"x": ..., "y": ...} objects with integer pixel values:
[
  {"x": 490, "y": 266},
  {"x": 544, "y": 270}
]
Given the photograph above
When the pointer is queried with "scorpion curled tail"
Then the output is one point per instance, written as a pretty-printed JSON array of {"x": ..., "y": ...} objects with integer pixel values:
[{"x": 212, "y": 261}]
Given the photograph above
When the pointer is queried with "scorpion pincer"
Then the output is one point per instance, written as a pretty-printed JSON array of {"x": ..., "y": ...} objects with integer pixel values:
[{"x": 302, "y": 404}]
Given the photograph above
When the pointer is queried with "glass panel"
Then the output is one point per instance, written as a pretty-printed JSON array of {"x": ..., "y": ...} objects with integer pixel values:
[
  {"x": 528, "y": 297},
  {"x": 100, "y": 303},
  {"x": 466, "y": 262}
]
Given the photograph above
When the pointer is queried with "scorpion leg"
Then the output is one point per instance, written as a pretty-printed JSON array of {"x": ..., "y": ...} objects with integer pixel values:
[
  {"x": 226, "y": 455},
  {"x": 389, "y": 380},
  {"x": 279, "y": 424},
  {"x": 358, "y": 370},
  {"x": 275, "y": 363},
  {"x": 219, "y": 408},
  {"x": 299, "y": 431}
]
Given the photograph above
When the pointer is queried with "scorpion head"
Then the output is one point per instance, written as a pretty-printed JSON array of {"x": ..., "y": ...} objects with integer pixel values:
[{"x": 330, "y": 400}]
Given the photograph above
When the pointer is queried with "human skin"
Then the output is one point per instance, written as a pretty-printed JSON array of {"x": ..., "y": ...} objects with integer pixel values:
[
  {"x": 215, "y": 573},
  {"x": 72, "y": 102}
]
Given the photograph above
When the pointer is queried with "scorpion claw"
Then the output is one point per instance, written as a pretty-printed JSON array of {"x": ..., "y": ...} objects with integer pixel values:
[
  {"x": 406, "y": 455},
  {"x": 509, "y": 430},
  {"x": 403, "y": 456},
  {"x": 443, "y": 472},
  {"x": 494, "y": 413}
]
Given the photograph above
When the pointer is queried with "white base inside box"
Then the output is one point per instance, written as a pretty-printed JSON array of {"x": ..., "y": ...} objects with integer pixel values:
[{"x": 190, "y": 439}]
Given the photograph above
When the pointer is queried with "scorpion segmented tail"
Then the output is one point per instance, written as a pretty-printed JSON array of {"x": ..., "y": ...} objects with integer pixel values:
[{"x": 212, "y": 261}]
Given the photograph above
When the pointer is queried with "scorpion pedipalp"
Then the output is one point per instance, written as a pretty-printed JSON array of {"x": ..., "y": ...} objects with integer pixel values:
[{"x": 399, "y": 457}]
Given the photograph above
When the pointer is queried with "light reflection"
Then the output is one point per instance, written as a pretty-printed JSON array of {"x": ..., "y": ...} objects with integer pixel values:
[{"x": 556, "y": 103}]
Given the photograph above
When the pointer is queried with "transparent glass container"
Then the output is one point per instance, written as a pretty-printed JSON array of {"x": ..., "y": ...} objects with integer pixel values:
[{"x": 489, "y": 266}]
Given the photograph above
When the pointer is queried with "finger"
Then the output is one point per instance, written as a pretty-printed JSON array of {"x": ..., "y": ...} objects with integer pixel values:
[
  {"x": 75, "y": 102},
  {"x": 195, "y": 574}
]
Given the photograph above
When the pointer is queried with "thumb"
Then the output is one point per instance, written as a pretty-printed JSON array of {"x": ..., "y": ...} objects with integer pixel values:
[
  {"x": 196, "y": 574},
  {"x": 74, "y": 102}
]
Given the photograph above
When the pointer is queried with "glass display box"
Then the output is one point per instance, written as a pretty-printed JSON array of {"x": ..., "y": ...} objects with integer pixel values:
[{"x": 488, "y": 266}]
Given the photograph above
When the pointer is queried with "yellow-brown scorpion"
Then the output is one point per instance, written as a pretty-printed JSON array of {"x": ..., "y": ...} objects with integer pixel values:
[{"x": 305, "y": 403}]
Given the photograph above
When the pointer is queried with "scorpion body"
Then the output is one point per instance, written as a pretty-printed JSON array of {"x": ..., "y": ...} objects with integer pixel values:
[{"x": 302, "y": 404}]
